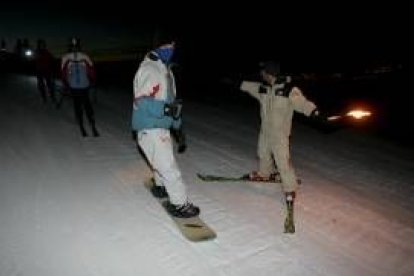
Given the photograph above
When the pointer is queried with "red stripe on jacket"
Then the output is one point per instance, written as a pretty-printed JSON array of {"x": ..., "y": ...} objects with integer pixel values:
[{"x": 155, "y": 90}]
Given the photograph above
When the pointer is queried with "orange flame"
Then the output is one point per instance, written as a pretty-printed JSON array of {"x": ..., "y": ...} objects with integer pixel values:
[{"x": 358, "y": 114}]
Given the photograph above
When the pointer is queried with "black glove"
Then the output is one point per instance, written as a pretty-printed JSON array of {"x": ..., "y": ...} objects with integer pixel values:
[
  {"x": 321, "y": 122},
  {"x": 232, "y": 82},
  {"x": 173, "y": 109},
  {"x": 134, "y": 135},
  {"x": 318, "y": 116},
  {"x": 179, "y": 137}
]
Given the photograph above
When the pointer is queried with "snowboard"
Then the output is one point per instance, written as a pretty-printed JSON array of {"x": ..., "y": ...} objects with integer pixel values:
[{"x": 194, "y": 229}]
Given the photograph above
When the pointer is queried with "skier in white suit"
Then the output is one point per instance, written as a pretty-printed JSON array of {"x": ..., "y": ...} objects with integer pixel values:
[{"x": 278, "y": 99}]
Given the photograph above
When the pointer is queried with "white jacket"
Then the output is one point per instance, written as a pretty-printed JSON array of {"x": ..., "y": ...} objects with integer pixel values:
[{"x": 276, "y": 110}]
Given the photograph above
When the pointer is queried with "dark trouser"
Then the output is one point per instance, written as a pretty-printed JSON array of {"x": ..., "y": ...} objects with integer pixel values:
[
  {"x": 81, "y": 103},
  {"x": 46, "y": 83}
]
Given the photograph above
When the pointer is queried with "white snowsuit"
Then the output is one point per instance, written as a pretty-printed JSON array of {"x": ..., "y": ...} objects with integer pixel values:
[
  {"x": 154, "y": 86},
  {"x": 276, "y": 110}
]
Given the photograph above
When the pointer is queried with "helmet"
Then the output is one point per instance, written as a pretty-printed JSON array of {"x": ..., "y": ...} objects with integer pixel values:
[
  {"x": 41, "y": 43},
  {"x": 74, "y": 44},
  {"x": 270, "y": 67}
]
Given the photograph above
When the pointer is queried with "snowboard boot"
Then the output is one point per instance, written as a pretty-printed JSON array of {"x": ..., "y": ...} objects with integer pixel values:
[
  {"x": 275, "y": 177},
  {"x": 159, "y": 191},
  {"x": 186, "y": 210},
  {"x": 289, "y": 221}
]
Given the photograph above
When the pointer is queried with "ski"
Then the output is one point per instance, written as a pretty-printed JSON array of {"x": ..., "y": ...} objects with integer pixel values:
[
  {"x": 210, "y": 177},
  {"x": 218, "y": 178}
]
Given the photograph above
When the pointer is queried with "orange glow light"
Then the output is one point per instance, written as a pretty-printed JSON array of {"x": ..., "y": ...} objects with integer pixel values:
[{"x": 358, "y": 114}]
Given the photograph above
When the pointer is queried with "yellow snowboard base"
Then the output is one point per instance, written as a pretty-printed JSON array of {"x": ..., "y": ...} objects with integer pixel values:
[{"x": 194, "y": 229}]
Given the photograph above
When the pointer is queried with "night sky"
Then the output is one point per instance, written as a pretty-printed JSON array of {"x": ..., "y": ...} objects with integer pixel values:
[
  {"x": 336, "y": 35},
  {"x": 98, "y": 30}
]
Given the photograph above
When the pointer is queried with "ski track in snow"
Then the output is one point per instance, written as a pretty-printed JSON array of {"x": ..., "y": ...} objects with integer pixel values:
[{"x": 77, "y": 206}]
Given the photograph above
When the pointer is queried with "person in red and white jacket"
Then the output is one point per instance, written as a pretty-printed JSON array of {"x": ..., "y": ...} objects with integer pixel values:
[{"x": 78, "y": 76}]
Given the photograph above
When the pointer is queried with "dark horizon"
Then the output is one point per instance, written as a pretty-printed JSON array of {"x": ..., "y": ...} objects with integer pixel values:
[{"x": 335, "y": 38}]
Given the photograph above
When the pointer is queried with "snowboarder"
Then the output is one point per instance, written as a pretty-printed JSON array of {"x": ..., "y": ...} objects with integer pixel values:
[
  {"x": 278, "y": 99},
  {"x": 155, "y": 111}
]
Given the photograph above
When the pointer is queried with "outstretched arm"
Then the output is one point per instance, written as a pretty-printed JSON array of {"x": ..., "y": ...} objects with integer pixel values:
[
  {"x": 300, "y": 103},
  {"x": 252, "y": 88}
]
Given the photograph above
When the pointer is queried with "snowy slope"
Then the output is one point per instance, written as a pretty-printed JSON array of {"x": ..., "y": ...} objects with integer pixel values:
[{"x": 77, "y": 206}]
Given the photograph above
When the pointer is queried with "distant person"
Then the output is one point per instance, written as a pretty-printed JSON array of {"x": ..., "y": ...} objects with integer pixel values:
[
  {"x": 44, "y": 64},
  {"x": 278, "y": 99},
  {"x": 3, "y": 57},
  {"x": 18, "y": 48},
  {"x": 155, "y": 111},
  {"x": 25, "y": 44},
  {"x": 78, "y": 75},
  {"x": 3, "y": 46}
]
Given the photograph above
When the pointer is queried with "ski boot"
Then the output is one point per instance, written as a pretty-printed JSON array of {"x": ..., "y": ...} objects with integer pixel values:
[
  {"x": 95, "y": 132},
  {"x": 289, "y": 221},
  {"x": 83, "y": 131}
]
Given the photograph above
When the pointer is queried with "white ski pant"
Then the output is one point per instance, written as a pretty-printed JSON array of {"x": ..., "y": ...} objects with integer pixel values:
[
  {"x": 275, "y": 156},
  {"x": 158, "y": 149}
]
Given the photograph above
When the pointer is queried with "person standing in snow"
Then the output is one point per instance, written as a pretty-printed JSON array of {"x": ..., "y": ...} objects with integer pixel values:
[
  {"x": 156, "y": 114},
  {"x": 278, "y": 99},
  {"x": 78, "y": 75},
  {"x": 44, "y": 63}
]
